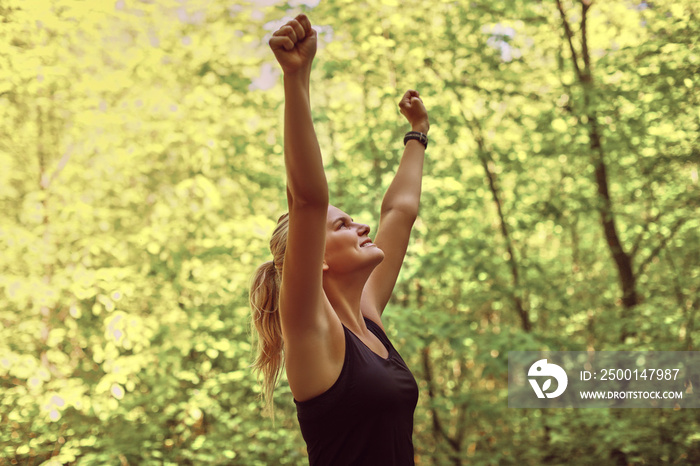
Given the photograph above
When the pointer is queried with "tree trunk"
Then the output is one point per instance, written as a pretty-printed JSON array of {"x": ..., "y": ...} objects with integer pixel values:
[{"x": 623, "y": 260}]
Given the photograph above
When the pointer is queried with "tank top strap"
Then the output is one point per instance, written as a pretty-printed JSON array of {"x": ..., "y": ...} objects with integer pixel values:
[{"x": 377, "y": 330}]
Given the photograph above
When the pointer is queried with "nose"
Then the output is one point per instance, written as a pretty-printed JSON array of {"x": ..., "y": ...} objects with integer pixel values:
[{"x": 362, "y": 229}]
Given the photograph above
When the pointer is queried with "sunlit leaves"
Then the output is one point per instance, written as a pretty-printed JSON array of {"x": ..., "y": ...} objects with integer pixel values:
[{"x": 142, "y": 172}]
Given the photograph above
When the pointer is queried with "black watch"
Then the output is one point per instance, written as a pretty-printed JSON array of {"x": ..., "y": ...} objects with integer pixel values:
[{"x": 418, "y": 136}]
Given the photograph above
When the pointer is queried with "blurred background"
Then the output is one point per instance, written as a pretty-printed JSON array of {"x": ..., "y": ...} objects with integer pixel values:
[{"x": 141, "y": 175}]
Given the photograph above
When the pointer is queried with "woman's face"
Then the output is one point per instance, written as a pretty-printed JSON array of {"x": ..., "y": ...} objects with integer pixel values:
[{"x": 348, "y": 246}]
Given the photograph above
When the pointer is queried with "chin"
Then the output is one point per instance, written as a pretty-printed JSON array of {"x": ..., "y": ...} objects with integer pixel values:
[{"x": 380, "y": 254}]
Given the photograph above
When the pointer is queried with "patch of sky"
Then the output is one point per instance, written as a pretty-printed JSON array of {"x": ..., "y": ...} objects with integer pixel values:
[
  {"x": 267, "y": 79},
  {"x": 500, "y": 39}
]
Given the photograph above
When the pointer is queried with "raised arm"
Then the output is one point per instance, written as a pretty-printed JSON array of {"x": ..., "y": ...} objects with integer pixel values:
[
  {"x": 398, "y": 213},
  {"x": 301, "y": 296}
]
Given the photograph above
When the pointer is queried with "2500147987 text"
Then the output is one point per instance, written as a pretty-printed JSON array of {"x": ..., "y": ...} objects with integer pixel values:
[{"x": 628, "y": 374}]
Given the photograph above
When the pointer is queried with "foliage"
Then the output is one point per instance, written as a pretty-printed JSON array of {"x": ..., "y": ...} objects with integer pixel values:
[{"x": 141, "y": 173}]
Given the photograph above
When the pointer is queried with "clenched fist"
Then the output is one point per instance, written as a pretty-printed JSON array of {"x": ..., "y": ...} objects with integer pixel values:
[
  {"x": 294, "y": 45},
  {"x": 413, "y": 109}
]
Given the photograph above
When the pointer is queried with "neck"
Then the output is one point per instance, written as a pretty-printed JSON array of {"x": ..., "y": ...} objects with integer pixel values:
[{"x": 345, "y": 294}]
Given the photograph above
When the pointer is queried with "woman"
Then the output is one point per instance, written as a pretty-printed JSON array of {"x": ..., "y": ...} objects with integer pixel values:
[{"x": 318, "y": 304}]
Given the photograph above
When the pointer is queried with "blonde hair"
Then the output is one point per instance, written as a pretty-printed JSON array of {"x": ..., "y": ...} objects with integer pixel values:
[{"x": 264, "y": 302}]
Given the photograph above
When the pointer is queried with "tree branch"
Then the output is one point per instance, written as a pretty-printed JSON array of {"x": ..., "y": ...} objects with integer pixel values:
[
  {"x": 484, "y": 157},
  {"x": 674, "y": 229},
  {"x": 645, "y": 228},
  {"x": 585, "y": 5},
  {"x": 569, "y": 38}
]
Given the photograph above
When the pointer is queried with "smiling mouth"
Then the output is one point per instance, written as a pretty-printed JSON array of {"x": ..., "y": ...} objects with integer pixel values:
[{"x": 366, "y": 244}]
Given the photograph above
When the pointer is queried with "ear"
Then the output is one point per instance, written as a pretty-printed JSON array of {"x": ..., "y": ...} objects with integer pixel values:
[{"x": 325, "y": 266}]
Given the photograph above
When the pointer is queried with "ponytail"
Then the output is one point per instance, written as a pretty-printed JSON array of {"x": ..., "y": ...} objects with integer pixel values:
[{"x": 264, "y": 302}]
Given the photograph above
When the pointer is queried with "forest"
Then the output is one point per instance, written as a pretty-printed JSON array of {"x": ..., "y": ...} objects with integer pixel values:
[{"x": 142, "y": 173}]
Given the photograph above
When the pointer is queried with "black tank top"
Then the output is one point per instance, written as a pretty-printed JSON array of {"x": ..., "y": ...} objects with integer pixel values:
[{"x": 366, "y": 417}]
